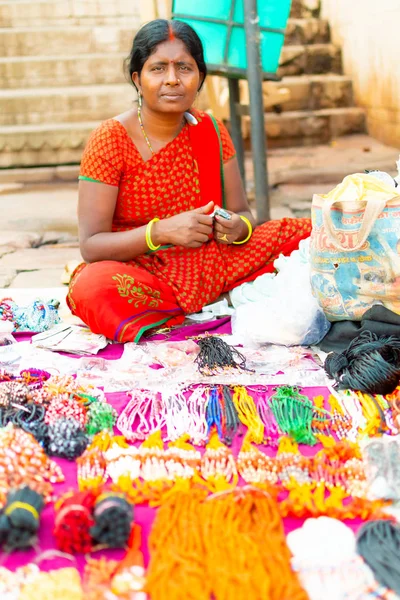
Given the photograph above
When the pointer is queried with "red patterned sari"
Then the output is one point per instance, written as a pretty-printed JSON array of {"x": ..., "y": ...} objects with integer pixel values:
[{"x": 123, "y": 300}]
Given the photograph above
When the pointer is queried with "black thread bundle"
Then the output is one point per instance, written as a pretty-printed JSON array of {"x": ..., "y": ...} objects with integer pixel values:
[
  {"x": 232, "y": 421},
  {"x": 378, "y": 542},
  {"x": 370, "y": 364},
  {"x": 29, "y": 417},
  {"x": 19, "y": 520},
  {"x": 216, "y": 355},
  {"x": 66, "y": 439},
  {"x": 113, "y": 516}
]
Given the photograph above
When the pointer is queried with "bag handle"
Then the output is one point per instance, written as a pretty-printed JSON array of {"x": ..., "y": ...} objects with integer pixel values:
[{"x": 371, "y": 213}]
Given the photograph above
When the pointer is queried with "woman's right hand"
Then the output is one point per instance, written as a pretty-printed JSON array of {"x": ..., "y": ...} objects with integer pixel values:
[{"x": 189, "y": 229}]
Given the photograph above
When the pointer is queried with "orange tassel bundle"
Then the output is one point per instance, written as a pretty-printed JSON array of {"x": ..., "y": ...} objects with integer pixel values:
[
  {"x": 177, "y": 550},
  {"x": 230, "y": 545},
  {"x": 247, "y": 555}
]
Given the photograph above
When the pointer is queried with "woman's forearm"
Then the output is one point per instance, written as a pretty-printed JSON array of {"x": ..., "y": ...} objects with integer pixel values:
[{"x": 116, "y": 245}]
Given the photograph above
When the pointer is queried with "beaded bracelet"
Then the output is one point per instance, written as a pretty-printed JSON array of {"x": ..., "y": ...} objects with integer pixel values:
[
  {"x": 250, "y": 233},
  {"x": 149, "y": 242}
]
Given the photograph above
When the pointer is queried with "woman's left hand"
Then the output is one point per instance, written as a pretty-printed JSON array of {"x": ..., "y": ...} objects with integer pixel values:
[{"x": 227, "y": 231}]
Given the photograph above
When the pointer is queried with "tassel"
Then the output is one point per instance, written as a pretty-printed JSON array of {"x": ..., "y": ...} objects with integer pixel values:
[
  {"x": 218, "y": 466},
  {"x": 247, "y": 555},
  {"x": 19, "y": 521},
  {"x": 177, "y": 550},
  {"x": 248, "y": 415},
  {"x": 231, "y": 418},
  {"x": 294, "y": 413}
]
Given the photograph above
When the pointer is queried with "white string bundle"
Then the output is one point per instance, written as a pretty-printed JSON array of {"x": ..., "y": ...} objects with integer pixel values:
[{"x": 144, "y": 414}]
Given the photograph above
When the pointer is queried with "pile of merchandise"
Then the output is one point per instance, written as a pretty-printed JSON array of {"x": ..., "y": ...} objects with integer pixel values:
[{"x": 208, "y": 472}]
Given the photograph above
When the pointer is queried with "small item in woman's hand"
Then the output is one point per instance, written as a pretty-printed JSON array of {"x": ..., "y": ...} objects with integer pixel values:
[{"x": 221, "y": 212}]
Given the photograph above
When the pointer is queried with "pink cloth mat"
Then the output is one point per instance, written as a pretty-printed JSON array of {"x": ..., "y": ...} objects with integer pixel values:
[{"x": 144, "y": 515}]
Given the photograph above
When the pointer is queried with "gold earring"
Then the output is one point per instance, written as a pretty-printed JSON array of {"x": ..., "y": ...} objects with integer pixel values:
[{"x": 140, "y": 99}]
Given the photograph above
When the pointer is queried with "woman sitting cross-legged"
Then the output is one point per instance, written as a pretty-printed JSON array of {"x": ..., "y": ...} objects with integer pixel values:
[{"x": 150, "y": 181}]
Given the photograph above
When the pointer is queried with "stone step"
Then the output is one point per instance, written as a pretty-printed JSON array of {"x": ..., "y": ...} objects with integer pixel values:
[
  {"x": 28, "y": 13},
  {"x": 100, "y": 102},
  {"x": 307, "y": 31},
  {"x": 62, "y": 143},
  {"x": 47, "y": 144},
  {"x": 97, "y": 68},
  {"x": 305, "y": 8},
  {"x": 313, "y": 92},
  {"x": 310, "y": 59},
  {"x": 53, "y": 41},
  {"x": 64, "y": 104},
  {"x": 307, "y": 128},
  {"x": 46, "y": 71}
]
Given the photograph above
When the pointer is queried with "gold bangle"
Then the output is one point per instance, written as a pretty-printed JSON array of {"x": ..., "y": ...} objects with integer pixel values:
[
  {"x": 246, "y": 220},
  {"x": 149, "y": 242}
]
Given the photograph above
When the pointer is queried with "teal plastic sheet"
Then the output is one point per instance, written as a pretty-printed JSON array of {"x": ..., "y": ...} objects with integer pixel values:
[{"x": 220, "y": 25}]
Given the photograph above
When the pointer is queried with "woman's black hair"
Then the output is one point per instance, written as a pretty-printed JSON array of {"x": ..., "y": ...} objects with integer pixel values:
[{"x": 158, "y": 31}]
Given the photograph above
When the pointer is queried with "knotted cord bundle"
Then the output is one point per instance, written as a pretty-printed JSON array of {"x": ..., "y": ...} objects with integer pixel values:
[
  {"x": 73, "y": 520},
  {"x": 216, "y": 355},
  {"x": 378, "y": 542},
  {"x": 19, "y": 520},
  {"x": 370, "y": 364},
  {"x": 113, "y": 516}
]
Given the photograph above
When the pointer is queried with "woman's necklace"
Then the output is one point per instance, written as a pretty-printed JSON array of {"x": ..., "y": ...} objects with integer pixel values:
[{"x": 139, "y": 114}]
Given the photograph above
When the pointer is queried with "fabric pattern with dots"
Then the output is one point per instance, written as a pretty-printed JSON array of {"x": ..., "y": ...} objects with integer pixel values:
[{"x": 165, "y": 185}]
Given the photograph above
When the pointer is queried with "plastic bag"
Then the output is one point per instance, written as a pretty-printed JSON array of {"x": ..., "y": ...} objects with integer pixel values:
[
  {"x": 355, "y": 246},
  {"x": 280, "y": 309}
]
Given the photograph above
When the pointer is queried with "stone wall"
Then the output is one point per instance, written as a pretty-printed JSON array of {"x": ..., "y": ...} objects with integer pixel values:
[
  {"x": 25, "y": 13},
  {"x": 368, "y": 32}
]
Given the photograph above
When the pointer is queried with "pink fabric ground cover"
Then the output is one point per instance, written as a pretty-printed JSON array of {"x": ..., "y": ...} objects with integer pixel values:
[{"x": 144, "y": 516}]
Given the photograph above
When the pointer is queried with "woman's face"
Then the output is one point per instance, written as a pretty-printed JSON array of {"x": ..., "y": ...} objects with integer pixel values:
[{"x": 170, "y": 78}]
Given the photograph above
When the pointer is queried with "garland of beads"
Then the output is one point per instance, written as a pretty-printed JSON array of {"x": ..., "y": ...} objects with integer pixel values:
[
  {"x": 14, "y": 392},
  {"x": 29, "y": 583},
  {"x": 24, "y": 462},
  {"x": 101, "y": 416},
  {"x": 91, "y": 469},
  {"x": 66, "y": 439},
  {"x": 255, "y": 467},
  {"x": 143, "y": 415},
  {"x": 148, "y": 473},
  {"x": 218, "y": 466},
  {"x": 66, "y": 407}
]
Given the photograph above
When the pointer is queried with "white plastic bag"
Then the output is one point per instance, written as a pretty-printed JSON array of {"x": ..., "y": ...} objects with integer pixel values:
[{"x": 280, "y": 309}]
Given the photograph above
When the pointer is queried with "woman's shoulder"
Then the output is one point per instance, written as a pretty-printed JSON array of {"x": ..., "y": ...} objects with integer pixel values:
[{"x": 109, "y": 129}]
